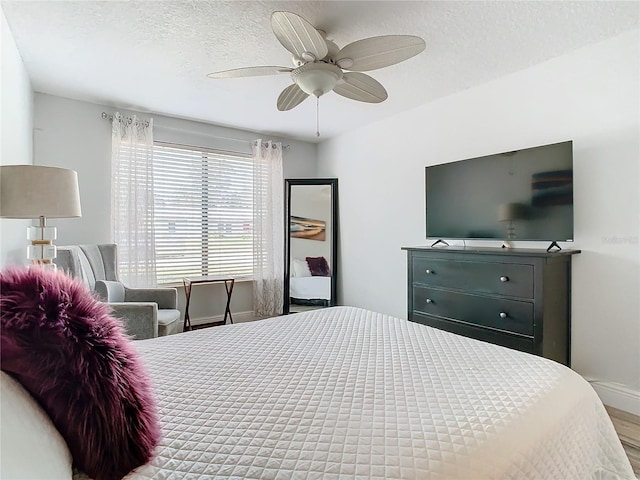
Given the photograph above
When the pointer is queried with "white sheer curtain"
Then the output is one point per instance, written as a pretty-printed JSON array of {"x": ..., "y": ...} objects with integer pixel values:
[
  {"x": 132, "y": 199},
  {"x": 268, "y": 228}
]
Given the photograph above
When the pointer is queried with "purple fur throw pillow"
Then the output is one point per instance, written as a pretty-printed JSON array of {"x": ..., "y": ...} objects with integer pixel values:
[{"x": 75, "y": 359}]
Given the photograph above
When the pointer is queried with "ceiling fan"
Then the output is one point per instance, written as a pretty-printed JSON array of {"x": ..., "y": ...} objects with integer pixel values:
[{"x": 319, "y": 65}]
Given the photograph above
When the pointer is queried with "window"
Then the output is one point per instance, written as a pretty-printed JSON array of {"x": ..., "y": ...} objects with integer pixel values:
[{"x": 203, "y": 204}]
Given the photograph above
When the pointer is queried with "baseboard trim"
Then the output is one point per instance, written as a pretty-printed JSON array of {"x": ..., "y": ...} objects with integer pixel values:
[
  {"x": 238, "y": 317},
  {"x": 618, "y": 396}
]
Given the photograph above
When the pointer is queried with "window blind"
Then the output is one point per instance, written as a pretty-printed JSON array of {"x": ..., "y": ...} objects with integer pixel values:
[{"x": 203, "y": 215}]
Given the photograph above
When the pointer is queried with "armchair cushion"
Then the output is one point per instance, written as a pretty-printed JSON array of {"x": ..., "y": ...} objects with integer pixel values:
[{"x": 169, "y": 322}]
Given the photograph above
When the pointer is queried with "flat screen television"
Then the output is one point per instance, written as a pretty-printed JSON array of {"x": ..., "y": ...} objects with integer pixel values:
[{"x": 521, "y": 195}]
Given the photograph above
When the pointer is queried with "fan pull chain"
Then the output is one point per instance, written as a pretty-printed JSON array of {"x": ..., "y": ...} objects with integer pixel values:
[{"x": 317, "y": 116}]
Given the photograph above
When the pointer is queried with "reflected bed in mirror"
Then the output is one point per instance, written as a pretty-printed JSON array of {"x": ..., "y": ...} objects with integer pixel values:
[{"x": 311, "y": 244}]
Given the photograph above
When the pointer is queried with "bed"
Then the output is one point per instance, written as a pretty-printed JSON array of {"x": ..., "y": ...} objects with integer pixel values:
[
  {"x": 343, "y": 393},
  {"x": 310, "y": 290},
  {"x": 310, "y": 281},
  {"x": 348, "y": 393}
]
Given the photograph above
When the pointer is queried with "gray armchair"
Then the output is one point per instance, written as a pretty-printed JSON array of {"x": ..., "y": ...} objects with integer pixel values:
[{"x": 146, "y": 312}]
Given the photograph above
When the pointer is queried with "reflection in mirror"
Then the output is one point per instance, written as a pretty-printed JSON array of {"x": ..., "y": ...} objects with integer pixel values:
[{"x": 310, "y": 260}]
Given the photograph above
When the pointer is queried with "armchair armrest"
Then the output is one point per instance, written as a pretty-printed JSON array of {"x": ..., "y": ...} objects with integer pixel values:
[
  {"x": 110, "y": 291},
  {"x": 164, "y": 297},
  {"x": 140, "y": 319}
]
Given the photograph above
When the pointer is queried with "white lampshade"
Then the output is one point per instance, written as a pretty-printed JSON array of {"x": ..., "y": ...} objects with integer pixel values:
[{"x": 34, "y": 191}]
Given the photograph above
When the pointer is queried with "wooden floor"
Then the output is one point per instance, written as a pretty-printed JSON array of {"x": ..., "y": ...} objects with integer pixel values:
[{"x": 628, "y": 427}]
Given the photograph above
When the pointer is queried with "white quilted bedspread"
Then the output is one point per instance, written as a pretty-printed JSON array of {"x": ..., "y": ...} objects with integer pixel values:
[{"x": 348, "y": 393}]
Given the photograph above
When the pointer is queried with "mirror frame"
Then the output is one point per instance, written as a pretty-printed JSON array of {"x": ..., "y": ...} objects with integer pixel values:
[{"x": 291, "y": 182}]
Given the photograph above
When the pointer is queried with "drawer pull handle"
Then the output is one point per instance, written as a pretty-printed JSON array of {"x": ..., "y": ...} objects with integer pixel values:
[
  {"x": 504, "y": 279},
  {"x": 503, "y": 315},
  {"x": 429, "y": 300},
  {"x": 428, "y": 272}
]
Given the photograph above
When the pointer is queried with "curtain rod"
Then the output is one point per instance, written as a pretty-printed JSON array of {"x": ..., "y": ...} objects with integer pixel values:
[{"x": 106, "y": 116}]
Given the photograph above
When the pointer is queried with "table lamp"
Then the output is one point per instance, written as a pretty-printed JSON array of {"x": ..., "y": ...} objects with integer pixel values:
[{"x": 34, "y": 191}]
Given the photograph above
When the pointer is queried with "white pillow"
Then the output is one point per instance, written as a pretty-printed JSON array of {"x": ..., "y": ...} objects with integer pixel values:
[
  {"x": 31, "y": 445},
  {"x": 300, "y": 268}
]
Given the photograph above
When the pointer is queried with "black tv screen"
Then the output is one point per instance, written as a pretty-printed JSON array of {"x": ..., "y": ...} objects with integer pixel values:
[{"x": 521, "y": 195}]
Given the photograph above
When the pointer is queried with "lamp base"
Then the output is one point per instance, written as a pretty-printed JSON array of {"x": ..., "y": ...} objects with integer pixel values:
[
  {"x": 42, "y": 251},
  {"x": 43, "y": 266}
]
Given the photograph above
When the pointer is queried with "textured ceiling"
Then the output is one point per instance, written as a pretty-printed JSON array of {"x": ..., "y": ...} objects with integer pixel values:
[{"x": 153, "y": 56}]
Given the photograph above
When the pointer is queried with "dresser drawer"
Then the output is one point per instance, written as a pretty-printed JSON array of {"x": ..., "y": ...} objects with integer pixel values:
[
  {"x": 508, "y": 279},
  {"x": 497, "y": 313},
  {"x": 524, "y": 344}
]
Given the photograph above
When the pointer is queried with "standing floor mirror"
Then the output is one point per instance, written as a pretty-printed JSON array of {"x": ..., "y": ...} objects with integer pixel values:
[{"x": 310, "y": 244}]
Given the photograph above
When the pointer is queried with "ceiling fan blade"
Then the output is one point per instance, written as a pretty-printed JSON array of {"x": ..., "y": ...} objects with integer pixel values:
[
  {"x": 361, "y": 87},
  {"x": 378, "y": 52},
  {"x": 298, "y": 36},
  {"x": 249, "y": 72},
  {"x": 291, "y": 97}
]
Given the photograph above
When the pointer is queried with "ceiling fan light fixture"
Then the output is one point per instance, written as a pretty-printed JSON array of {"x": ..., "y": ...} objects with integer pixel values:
[{"x": 316, "y": 78}]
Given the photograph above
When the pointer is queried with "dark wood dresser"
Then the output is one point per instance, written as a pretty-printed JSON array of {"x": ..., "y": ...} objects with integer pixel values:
[{"x": 517, "y": 298}]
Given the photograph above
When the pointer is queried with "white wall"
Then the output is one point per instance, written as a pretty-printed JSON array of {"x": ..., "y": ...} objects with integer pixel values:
[
  {"x": 72, "y": 134},
  {"x": 590, "y": 96},
  {"x": 16, "y": 144}
]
